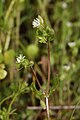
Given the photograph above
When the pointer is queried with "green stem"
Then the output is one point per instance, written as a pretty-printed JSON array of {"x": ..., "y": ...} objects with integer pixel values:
[
  {"x": 74, "y": 110},
  {"x": 10, "y": 106},
  {"x": 18, "y": 25},
  {"x": 6, "y": 98},
  {"x": 7, "y": 40},
  {"x": 9, "y": 9}
]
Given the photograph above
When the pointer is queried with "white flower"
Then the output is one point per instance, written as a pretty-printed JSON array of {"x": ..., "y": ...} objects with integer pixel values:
[
  {"x": 69, "y": 24},
  {"x": 66, "y": 67},
  {"x": 20, "y": 58},
  {"x": 64, "y": 5},
  {"x": 37, "y": 22},
  {"x": 72, "y": 44}
]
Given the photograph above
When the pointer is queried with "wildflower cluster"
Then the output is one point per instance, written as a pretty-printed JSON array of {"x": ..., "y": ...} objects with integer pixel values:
[
  {"x": 22, "y": 61},
  {"x": 43, "y": 32}
]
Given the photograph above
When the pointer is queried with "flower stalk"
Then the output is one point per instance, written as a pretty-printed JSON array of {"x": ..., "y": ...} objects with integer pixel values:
[
  {"x": 48, "y": 84},
  {"x": 47, "y": 109},
  {"x": 36, "y": 78}
]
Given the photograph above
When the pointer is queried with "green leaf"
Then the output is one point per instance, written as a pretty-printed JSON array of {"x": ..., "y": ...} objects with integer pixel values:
[
  {"x": 33, "y": 88},
  {"x": 3, "y": 73},
  {"x": 43, "y": 104},
  {"x": 55, "y": 84},
  {"x": 38, "y": 94},
  {"x": 50, "y": 34},
  {"x": 45, "y": 34},
  {"x": 27, "y": 63},
  {"x": 41, "y": 35},
  {"x": 23, "y": 87}
]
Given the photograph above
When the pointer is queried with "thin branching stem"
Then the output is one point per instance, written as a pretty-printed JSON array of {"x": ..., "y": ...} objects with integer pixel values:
[
  {"x": 6, "y": 98},
  {"x": 33, "y": 71},
  {"x": 10, "y": 106}
]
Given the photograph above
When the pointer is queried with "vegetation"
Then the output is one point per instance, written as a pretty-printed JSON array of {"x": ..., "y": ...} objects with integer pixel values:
[{"x": 39, "y": 59}]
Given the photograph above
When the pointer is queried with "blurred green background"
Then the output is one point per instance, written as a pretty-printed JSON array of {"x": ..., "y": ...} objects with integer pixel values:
[{"x": 17, "y": 36}]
